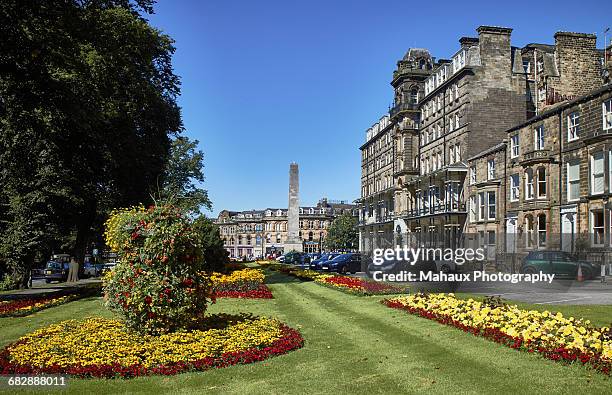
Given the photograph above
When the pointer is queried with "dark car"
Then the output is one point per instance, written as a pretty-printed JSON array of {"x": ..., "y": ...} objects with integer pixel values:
[
  {"x": 56, "y": 271},
  {"x": 317, "y": 263},
  {"x": 345, "y": 263},
  {"x": 395, "y": 266},
  {"x": 560, "y": 263}
]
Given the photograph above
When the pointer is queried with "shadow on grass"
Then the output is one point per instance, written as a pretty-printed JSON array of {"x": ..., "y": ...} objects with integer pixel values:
[{"x": 273, "y": 277}]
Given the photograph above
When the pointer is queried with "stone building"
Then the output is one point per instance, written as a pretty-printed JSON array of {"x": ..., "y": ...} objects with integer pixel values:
[
  {"x": 485, "y": 191},
  {"x": 452, "y": 116},
  {"x": 469, "y": 101},
  {"x": 388, "y": 157},
  {"x": 259, "y": 232},
  {"x": 559, "y": 178}
]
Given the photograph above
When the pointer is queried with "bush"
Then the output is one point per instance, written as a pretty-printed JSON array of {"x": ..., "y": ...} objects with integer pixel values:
[
  {"x": 215, "y": 255},
  {"x": 158, "y": 285}
]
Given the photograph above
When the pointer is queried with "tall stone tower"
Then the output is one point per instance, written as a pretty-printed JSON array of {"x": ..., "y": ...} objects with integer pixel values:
[{"x": 293, "y": 242}]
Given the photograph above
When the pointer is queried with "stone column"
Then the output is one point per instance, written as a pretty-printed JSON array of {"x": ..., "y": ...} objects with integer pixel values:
[{"x": 293, "y": 241}]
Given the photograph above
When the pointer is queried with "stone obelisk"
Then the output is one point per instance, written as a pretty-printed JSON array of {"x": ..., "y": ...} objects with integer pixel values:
[{"x": 293, "y": 242}]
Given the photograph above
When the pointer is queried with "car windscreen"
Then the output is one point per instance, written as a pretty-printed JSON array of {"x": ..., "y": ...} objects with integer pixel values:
[
  {"x": 54, "y": 265},
  {"x": 341, "y": 258}
]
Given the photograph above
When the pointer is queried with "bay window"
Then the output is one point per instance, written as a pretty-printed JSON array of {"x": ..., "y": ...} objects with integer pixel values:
[
  {"x": 491, "y": 205},
  {"x": 514, "y": 188},
  {"x": 541, "y": 173}
]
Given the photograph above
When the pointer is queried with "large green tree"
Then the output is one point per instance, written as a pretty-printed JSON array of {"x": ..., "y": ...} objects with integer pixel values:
[
  {"x": 87, "y": 113},
  {"x": 342, "y": 233},
  {"x": 183, "y": 176}
]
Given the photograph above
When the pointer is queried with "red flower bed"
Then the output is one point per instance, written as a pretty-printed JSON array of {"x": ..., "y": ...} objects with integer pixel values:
[
  {"x": 22, "y": 307},
  {"x": 262, "y": 292},
  {"x": 358, "y": 286},
  {"x": 291, "y": 340},
  {"x": 494, "y": 334}
]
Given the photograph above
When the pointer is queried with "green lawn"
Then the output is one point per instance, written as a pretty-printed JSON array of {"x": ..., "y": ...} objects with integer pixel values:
[{"x": 353, "y": 345}]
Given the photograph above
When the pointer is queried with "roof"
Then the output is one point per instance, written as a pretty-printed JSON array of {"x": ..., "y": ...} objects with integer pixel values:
[{"x": 495, "y": 148}]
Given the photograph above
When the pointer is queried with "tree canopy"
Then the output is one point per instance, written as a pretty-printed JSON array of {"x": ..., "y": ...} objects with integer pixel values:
[
  {"x": 342, "y": 233},
  {"x": 88, "y": 113}
]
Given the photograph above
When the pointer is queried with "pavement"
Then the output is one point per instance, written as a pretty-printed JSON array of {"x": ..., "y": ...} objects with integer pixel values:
[{"x": 40, "y": 289}]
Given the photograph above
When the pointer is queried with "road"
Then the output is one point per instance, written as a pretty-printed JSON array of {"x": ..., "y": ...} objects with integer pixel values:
[{"x": 557, "y": 292}]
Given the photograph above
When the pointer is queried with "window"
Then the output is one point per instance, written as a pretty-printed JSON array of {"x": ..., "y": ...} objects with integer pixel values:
[
  {"x": 528, "y": 184},
  {"x": 452, "y": 155},
  {"x": 439, "y": 160},
  {"x": 529, "y": 232},
  {"x": 458, "y": 153},
  {"x": 481, "y": 206},
  {"x": 597, "y": 228},
  {"x": 514, "y": 188},
  {"x": 607, "y": 114},
  {"x": 514, "y": 146},
  {"x": 456, "y": 86},
  {"x": 450, "y": 94},
  {"x": 540, "y": 66},
  {"x": 491, "y": 169},
  {"x": 457, "y": 122},
  {"x": 541, "y": 173},
  {"x": 491, "y": 237},
  {"x": 542, "y": 94},
  {"x": 491, "y": 205},
  {"x": 472, "y": 208},
  {"x": 597, "y": 173},
  {"x": 573, "y": 126},
  {"x": 526, "y": 66},
  {"x": 473, "y": 175},
  {"x": 538, "y": 138},
  {"x": 541, "y": 230},
  {"x": 414, "y": 96},
  {"x": 573, "y": 180}
]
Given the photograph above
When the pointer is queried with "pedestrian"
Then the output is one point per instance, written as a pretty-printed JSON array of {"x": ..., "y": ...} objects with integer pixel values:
[{"x": 73, "y": 270}]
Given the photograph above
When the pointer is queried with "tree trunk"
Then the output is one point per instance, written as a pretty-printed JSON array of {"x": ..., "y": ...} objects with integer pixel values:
[{"x": 82, "y": 237}]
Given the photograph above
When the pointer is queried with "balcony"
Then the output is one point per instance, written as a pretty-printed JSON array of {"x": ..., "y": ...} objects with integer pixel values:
[
  {"x": 377, "y": 219},
  {"x": 403, "y": 107},
  {"x": 543, "y": 155},
  {"x": 436, "y": 209}
]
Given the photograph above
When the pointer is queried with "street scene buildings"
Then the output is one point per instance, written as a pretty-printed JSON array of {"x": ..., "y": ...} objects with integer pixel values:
[
  {"x": 486, "y": 147},
  {"x": 262, "y": 232}
]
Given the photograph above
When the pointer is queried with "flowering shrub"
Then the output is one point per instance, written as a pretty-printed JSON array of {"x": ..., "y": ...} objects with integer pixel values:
[
  {"x": 99, "y": 347},
  {"x": 157, "y": 285},
  {"x": 22, "y": 307},
  {"x": 245, "y": 283},
  {"x": 358, "y": 286},
  {"x": 552, "y": 335}
]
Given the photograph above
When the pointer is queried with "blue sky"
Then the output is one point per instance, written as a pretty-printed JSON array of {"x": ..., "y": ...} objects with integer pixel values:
[{"x": 265, "y": 83}]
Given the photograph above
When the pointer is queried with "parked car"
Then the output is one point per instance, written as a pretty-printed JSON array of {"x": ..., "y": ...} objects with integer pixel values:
[
  {"x": 396, "y": 266},
  {"x": 560, "y": 263},
  {"x": 296, "y": 258},
  {"x": 56, "y": 271},
  {"x": 280, "y": 259},
  {"x": 92, "y": 270},
  {"x": 345, "y": 263},
  {"x": 317, "y": 263}
]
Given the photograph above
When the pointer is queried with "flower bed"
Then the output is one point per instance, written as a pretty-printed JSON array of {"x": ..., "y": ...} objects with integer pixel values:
[
  {"x": 261, "y": 292},
  {"x": 358, "y": 286},
  {"x": 99, "y": 347},
  {"x": 552, "y": 335},
  {"x": 245, "y": 283},
  {"x": 23, "y": 307}
]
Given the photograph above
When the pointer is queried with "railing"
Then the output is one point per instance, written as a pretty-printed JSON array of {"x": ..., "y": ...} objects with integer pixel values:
[
  {"x": 403, "y": 107},
  {"x": 439, "y": 208}
]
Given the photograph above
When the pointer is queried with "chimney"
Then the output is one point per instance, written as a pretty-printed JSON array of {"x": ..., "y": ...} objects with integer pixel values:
[
  {"x": 578, "y": 63},
  {"x": 495, "y": 52},
  {"x": 467, "y": 42}
]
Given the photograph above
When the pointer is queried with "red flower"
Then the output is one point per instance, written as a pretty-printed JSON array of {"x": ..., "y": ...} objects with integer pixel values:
[
  {"x": 148, "y": 299},
  {"x": 188, "y": 282}
]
